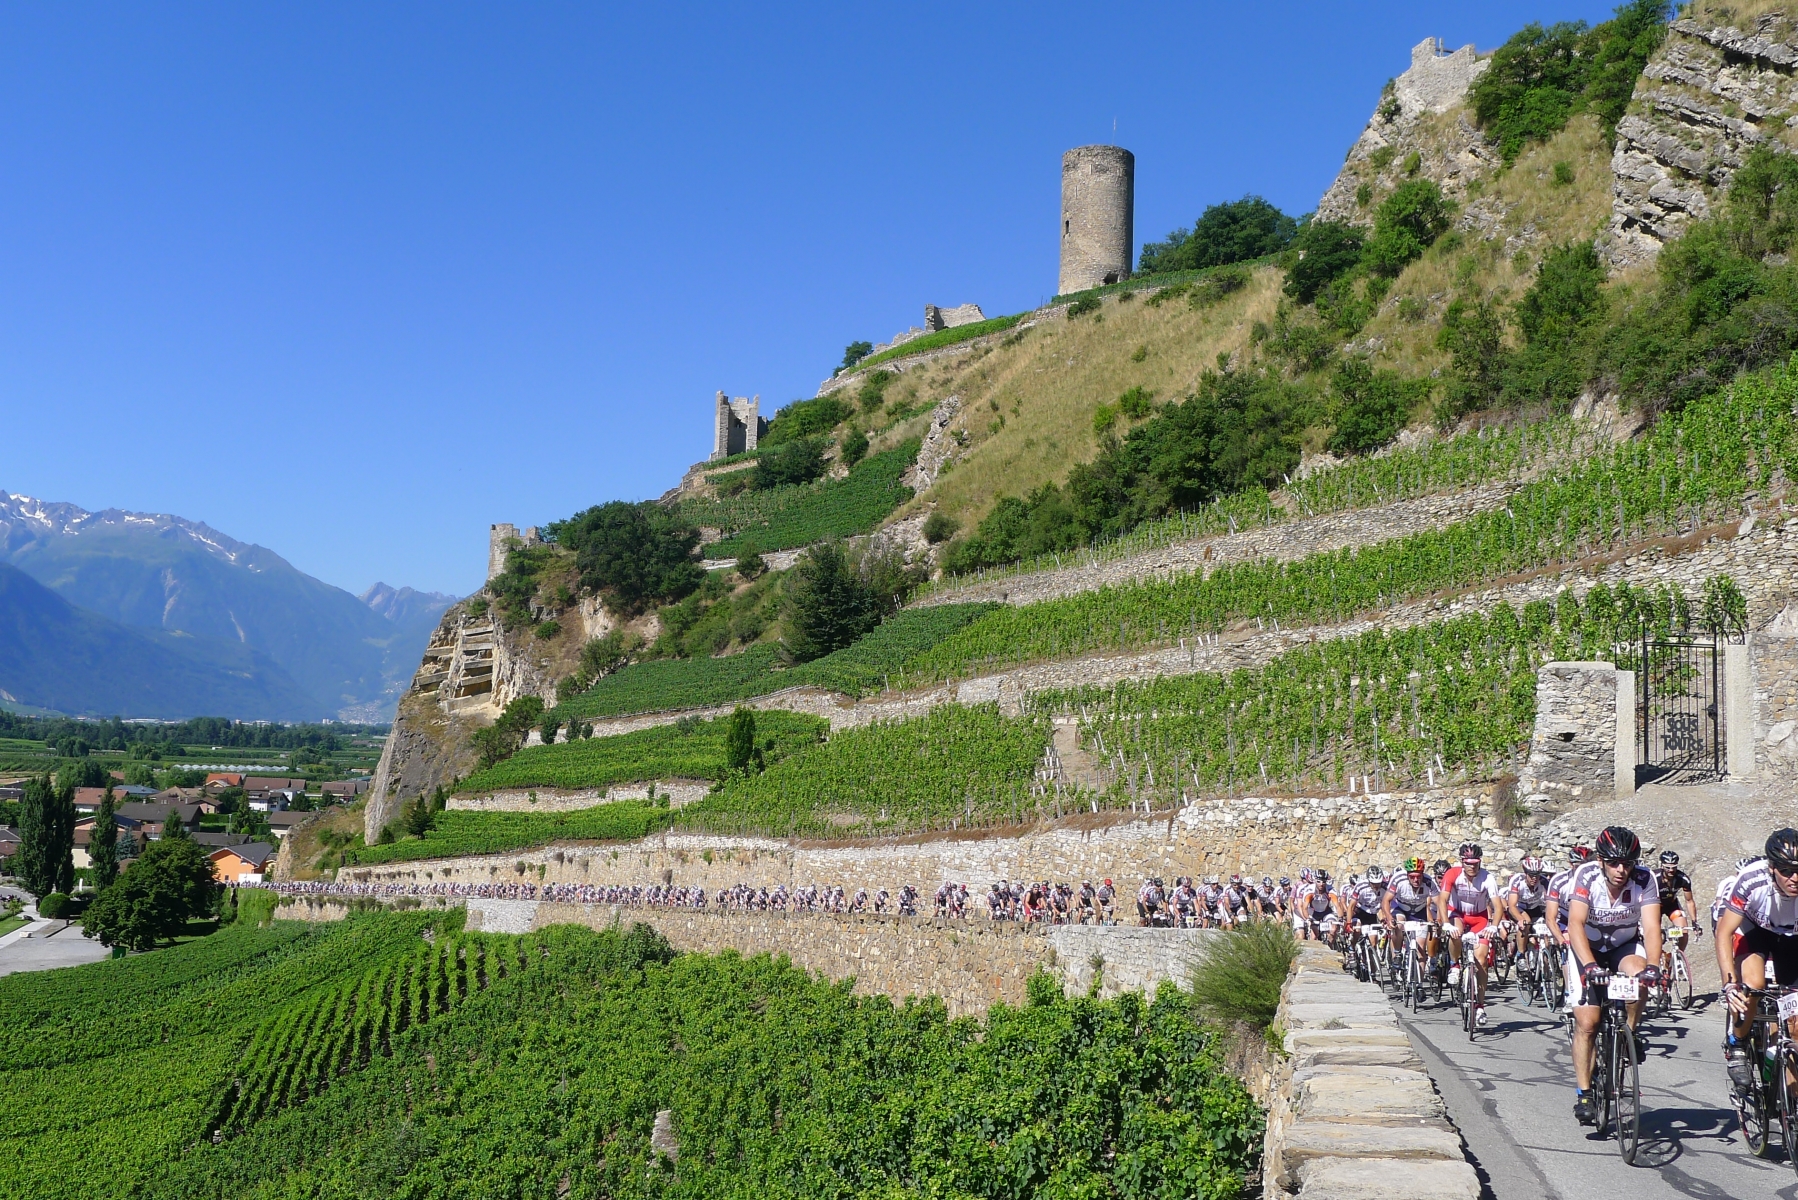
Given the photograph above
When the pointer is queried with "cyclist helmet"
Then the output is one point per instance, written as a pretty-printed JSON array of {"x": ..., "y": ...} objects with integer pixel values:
[
  {"x": 1742, "y": 864},
  {"x": 1471, "y": 852},
  {"x": 1267, "y": 881},
  {"x": 1670, "y": 858},
  {"x": 1617, "y": 844},
  {"x": 1375, "y": 875},
  {"x": 1235, "y": 879},
  {"x": 1413, "y": 865},
  {"x": 1285, "y": 881},
  {"x": 1534, "y": 866},
  {"x": 1323, "y": 876},
  {"x": 1578, "y": 855},
  {"x": 1306, "y": 875},
  {"x": 1782, "y": 850},
  {"x": 1353, "y": 879},
  {"x": 1441, "y": 865},
  {"x": 1210, "y": 881}
]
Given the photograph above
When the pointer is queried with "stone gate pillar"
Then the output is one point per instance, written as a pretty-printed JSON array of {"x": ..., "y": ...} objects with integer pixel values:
[{"x": 1583, "y": 745}]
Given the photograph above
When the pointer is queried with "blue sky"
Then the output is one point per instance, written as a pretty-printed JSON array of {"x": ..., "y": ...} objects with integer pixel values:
[{"x": 354, "y": 281}]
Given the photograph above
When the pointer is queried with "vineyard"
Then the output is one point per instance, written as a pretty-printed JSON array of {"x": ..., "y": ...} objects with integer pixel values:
[
  {"x": 956, "y": 764},
  {"x": 856, "y": 670},
  {"x": 1437, "y": 467},
  {"x": 459, "y": 833},
  {"x": 680, "y": 751},
  {"x": 1400, "y": 709},
  {"x": 1697, "y": 465},
  {"x": 814, "y": 513},
  {"x": 535, "y": 1065}
]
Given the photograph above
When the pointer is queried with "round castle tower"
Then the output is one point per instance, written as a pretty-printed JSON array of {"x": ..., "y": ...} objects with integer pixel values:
[{"x": 1098, "y": 203}]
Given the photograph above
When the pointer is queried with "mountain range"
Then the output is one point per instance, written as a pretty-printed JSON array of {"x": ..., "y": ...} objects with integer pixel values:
[{"x": 141, "y": 592}]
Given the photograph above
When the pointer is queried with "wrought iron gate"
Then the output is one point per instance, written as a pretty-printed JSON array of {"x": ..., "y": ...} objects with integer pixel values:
[{"x": 1679, "y": 709}]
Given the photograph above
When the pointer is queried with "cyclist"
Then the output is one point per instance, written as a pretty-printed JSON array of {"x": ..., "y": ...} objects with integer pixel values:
[
  {"x": 1468, "y": 903},
  {"x": 1682, "y": 914},
  {"x": 1726, "y": 885},
  {"x": 1614, "y": 925},
  {"x": 1560, "y": 900},
  {"x": 1364, "y": 903},
  {"x": 1526, "y": 898},
  {"x": 1314, "y": 906},
  {"x": 1763, "y": 910},
  {"x": 1405, "y": 906}
]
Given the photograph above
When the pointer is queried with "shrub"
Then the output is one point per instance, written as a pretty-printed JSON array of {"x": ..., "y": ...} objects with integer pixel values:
[
  {"x": 1135, "y": 403},
  {"x": 751, "y": 566},
  {"x": 54, "y": 906},
  {"x": 548, "y": 629},
  {"x": 795, "y": 462},
  {"x": 1563, "y": 174},
  {"x": 874, "y": 389},
  {"x": 855, "y": 447},
  {"x": 804, "y": 419},
  {"x": 1327, "y": 250},
  {"x": 1373, "y": 406},
  {"x": 1240, "y": 974},
  {"x": 636, "y": 554},
  {"x": 1407, "y": 223},
  {"x": 1224, "y": 233},
  {"x": 940, "y": 527},
  {"x": 1084, "y": 305},
  {"x": 1104, "y": 417}
]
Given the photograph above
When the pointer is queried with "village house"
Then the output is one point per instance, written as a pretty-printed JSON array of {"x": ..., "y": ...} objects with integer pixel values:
[{"x": 242, "y": 863}]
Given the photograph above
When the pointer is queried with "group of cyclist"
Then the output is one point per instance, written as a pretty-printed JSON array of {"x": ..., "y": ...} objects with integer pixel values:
[{"x": 1602, "y": 916}]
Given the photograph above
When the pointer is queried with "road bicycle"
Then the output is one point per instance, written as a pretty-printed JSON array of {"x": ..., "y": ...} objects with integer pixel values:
[
  {"x": 1769, "y": 1105},
  {"x": 1676, "y": 980},
  {"x": 1539, "y": 973},
  {"x": 1616, "y": 1084}
]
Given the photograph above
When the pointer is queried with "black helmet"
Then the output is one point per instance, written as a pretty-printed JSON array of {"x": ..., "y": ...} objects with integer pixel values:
[
  {"x": 1670, "y": 858},
  {"x": 1617, "y": 844},
  {"x": 1471, "y": 852},
  {"x": 1578, "y": 855},
  {"x": 1782, "y": 849}
]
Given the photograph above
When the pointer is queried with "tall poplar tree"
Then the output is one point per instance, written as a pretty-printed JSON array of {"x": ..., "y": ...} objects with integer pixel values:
[
  {"x": 46, "y": 837},
  {"x": 103, "y": 846}
]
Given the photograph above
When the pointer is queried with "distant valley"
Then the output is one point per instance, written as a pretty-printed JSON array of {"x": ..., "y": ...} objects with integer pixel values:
[{"x": 214, "y": 626}]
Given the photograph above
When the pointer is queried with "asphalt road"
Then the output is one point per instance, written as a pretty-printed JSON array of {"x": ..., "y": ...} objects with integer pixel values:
[{"x": 1510, "y": 1091}]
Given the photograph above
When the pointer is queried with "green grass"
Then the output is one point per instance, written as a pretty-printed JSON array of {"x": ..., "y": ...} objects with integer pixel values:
[
  {"x": 460, "y": 833},
  {"x": 839, "y": 508},
  {"x": 664, "y": 752},
  {"x": 1137, "y": 283},
  {"x": 8, "y": 924},
  {"x": 1241, "y": 972},
  {"x": 956, "y": 764},
  {"x": 941, "y": 338},
  {"x": 668, "y": 684}
]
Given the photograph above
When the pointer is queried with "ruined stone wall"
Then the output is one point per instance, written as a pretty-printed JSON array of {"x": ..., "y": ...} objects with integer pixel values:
[
  {"x": 1773, "y": 653},
  {"x": 1710, "y": 95}
]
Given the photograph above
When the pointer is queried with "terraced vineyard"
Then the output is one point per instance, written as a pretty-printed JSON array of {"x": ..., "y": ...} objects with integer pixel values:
[
  {"x": 664, "y": 752},
  {"x": 530, "y": 1065},
  {"x": 816, "y": 513},
  {"x": 1695, "y": 466},
  {"x": 459, "y": 833}
]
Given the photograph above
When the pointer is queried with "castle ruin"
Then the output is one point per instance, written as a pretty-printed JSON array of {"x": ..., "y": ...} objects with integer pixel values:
[
  {"x": 1098, "y": 205},
  {"x": 738, "y": 428},
  {"x": 499, "y": 541}
]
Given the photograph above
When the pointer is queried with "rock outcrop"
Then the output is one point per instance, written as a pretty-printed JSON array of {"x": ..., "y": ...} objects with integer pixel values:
[
  {"x": 1420, "y": 113},
  {"x": 1709, "y": 96}
]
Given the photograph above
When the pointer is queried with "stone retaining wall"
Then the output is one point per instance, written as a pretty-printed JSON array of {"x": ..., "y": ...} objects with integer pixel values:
[
  {"x": 680, "y": 792},
  {"x": 1353, "y": 1112},
  {"x": 1578, "y": 746}
]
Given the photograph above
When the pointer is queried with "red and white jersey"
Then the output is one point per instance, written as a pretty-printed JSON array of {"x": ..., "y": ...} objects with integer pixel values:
[
  {"x": 1622, "y": 910},
  {"x": 1469, "y": 895},
  {"x": 1527, "y": 893},
  {"x": 1408, "y": 898},
  {"x": 1761, "y": 904},
  {"x": 1316, "y": 899},
  {"x": 1560, "y": 890}
]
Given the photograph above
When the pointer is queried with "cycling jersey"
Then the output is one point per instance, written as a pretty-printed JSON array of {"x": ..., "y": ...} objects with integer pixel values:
[
  {"x": 1531, "y": 897},
  {"x": 1237, "y": 898},
  {"x": 1560, "y": 890},
  {"x": 1613, "y": 921},
  {"x": 1761, "y": 905},
  {"x": 1367, "y": 897},
  {"x": 1469, "y": 895},
  {"x": 1316, "y": 900},
  {"x": 1725, "y": 886},
  {"x": 1671, "y": 887},
  {"x": 1407, "y": 899}
]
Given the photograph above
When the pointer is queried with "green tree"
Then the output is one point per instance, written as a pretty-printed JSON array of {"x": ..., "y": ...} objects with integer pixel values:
[
  {"x": 1407, "y": 223},
  {"x": 827, "y": 605},
  {"x": 636, "y": 554},
  {"x": 799, "y": 461},
  {"x": 44, "y": 861},
  {"x": 855, "y": 447},
  {"x": 740, "y": 750},
  {"x": 103, "y": 846},
  {"x": 82, "y": 773},
  {"x": 171, "y": 883},
  {"x": 853, "y": 353},
  {"x": 1325, "y": 252},
  {"x": 1224, "y": 233},
  {"x": 501, "y": 739},
  {"x": 419, "y": 818},
  {"x": 1372, "y": 406}
]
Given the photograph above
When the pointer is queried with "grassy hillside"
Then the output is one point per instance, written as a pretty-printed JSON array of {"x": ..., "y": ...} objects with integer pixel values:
[{"x": 360, "y": 1060}]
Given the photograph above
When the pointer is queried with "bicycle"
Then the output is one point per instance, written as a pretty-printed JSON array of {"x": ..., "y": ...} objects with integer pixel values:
[
  {"x": 1676, "y": 980},
  {"x": 1771, "y": 1097},
  {"x": 1616, "y": 1084}
]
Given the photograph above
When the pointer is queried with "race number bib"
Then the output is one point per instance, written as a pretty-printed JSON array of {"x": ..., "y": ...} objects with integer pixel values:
[
  {"x": 1788, "y": 1007},
  {"x": 1623, "y": 987}
]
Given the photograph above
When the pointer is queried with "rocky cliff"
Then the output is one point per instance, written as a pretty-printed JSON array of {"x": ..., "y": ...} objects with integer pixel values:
[{"x": 1711, "y": 94}]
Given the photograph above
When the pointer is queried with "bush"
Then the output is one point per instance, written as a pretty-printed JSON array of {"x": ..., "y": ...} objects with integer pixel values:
[
  {"x": 853, "y": 353},
  {"x": 1326, "y": 251},
  {"x": 804, "y": 419},
  {"x": 1240, "y": 974},
  {"x": 1373, "y": 406},
  {"x": 940, "y": 527},
  {"x": 855, "y": 447},
  {"x": 1136, "y": 403},
  {"x": 795, "y": 462},
  {"x": 874, "y": 389},
  {"x": 1408, "y": 222},
  {"x": 1084, "y": 305},
  {"x": 636, "y": 554},
  {"x": 54, "y": 907},
  {"x": 548, "y": 629}
]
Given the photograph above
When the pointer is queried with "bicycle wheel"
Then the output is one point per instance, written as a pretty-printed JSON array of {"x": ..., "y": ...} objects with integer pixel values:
[
  {"x": 1604, "y": 1077},
  {"x": 1414, "y": 978},
  {"x": 1682, "y": 979},
  {"x": 1628, "y": 1096},
  {"x": 1788, "y": 1101},
  {"x": 1753, "y": 1106}
]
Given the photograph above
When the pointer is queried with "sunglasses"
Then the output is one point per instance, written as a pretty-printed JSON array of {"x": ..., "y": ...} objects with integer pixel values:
[
  {"x": 1782, "y": 872},
  {"x": 1618, "y": 862}
]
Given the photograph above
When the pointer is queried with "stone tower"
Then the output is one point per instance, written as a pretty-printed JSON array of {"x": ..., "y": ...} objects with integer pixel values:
[
  {"x": 737, "y": 426},
  {"x": 1098, "y": 204}
]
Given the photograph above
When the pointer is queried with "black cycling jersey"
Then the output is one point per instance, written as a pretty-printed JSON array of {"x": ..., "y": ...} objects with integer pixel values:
[{"x": 1671, "y": 887}]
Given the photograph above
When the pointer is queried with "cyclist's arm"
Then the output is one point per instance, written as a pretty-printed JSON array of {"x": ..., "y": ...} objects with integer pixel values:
[
  {"x": 1727, "y": 925},
  {"x": 1690, "y": 904},
  {"x": 1651, "y": 931},
  {"x": 1494, "y": 907},
  {"x": 1386, "y": 906},
  {"x": 1550, "y": 916}
]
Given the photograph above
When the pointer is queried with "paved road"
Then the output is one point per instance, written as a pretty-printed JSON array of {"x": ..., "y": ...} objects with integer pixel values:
[{"x": 1511, "y": 1093}]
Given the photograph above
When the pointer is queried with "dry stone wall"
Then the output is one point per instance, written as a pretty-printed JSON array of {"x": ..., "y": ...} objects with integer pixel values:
[
  {"x": 1574, "y": 748},
  {"x": 1774, "y": 656},
  {"x": 680, "y": 793}
]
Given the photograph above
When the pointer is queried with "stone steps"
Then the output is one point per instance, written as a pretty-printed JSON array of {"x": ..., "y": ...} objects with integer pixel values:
[{"x": 1354, "y": 1114}]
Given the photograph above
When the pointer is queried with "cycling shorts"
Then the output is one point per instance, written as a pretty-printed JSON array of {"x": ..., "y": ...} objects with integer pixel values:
[
  {"x": 1778, "y": 949},
  {"x": 1365, "y": 917},
  {"x": 1473, "y": 922},
  {"x": 1532, "y": 915},
  {"x": 1610, "y": 958}
]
